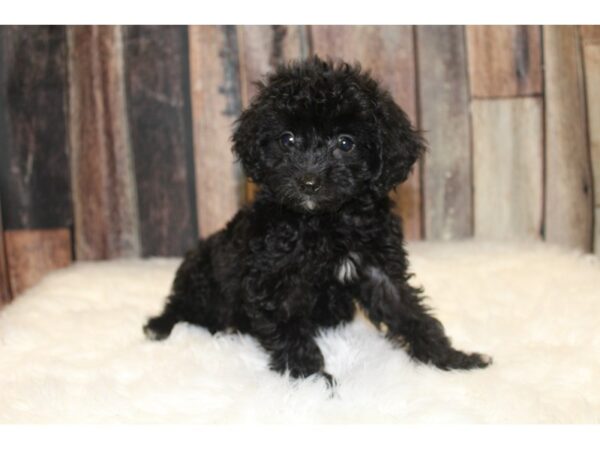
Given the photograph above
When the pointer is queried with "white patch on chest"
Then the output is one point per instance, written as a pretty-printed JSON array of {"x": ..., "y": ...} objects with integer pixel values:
[{"x": 347, "y": 271}]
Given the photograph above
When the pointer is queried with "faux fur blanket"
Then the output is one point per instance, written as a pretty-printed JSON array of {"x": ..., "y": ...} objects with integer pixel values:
[{"x": 72, "y": 349}]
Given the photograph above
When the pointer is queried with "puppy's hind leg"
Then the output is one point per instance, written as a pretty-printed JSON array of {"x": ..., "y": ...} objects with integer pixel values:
[
  {"x": 160, "y": 327},
  {"x": 185, "y": 303}
]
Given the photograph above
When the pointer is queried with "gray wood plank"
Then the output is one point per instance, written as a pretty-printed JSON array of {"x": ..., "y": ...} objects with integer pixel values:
[
  {"x": 444, "y": 111},
  {"x": 508, "y": 168},
  {"x": 569, "y": 208}
]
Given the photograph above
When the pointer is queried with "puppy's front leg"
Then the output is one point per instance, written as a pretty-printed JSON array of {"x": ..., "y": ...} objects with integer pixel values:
[
  {"x": 392, "y": 301},
  {"x": 290, "y": 344}
]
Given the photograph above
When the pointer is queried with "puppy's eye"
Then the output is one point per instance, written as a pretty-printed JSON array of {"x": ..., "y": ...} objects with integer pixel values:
[
  {"x": 345, "y": 143},
  {"x": 287, "y": 140}
]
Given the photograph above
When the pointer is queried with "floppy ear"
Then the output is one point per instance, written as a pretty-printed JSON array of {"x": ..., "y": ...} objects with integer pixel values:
[
  {"x": 248, "y": 140},
  {"x": 400, "y": 145}
]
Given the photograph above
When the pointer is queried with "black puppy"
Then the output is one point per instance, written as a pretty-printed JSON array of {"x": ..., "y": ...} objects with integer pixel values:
[{"x": 326, "y": 144}]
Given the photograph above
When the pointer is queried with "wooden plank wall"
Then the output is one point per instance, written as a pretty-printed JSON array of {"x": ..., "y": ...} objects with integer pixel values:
[
  {"x": 115, "y": 140},
  {"x": 591, "y": 53},
  {"x": 160, "y": 129},
  {"x": 34, "y": 178}
]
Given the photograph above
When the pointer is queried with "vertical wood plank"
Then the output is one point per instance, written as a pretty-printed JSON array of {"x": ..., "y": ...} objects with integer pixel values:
[
  {"x": 444, "y": 111},
  {"x": 34, "y": 179},
  {"x": 592, "y": 80},
  {"x": 569, "y": 210},
  {"x": 5, "y": 294},
  {"x": 262, "y": 48},
  {"x": 508, "y": 167},
  {"x": 158, "y": 102},
  {"x": 388, "y": 51},
  {"x": 31, "y": 254},
  {"x": 216, "y": 103},
  {"x": 590, "y": 33},
  {"x": 504, "y": 61},
  {"x": 106, "y": 223}
]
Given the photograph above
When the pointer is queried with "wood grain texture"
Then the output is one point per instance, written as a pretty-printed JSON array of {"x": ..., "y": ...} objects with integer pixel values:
[
  {"x": 444, "y": 111},
  {"x": 262, "y": 48},
  {"x": 106, "y": 223},
  {"x": 590, "y": 33},
  {"x": 508, "y": 168},
  {"x": 388, "y": 51},
  {"x": 5, "y": 294},
  {"x": 569, "y": 210},
  {"x": 216, "y": 103},
  {"x": 158, "y": 102},
  {"x": 591, "y": 54},
  {"x": 34, "y": 182},
  {"x": 504, "y": 61},
  {"x": 31, "y": 254}
]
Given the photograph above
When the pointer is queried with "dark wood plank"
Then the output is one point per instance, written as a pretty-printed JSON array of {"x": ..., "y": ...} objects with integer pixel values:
[
  {"x": 216, "y": 103},
  {"x": 5, "y": 294},
  {"x": 388, "y": 51},
  {"x": 263, "y": 47},
  {"x": 31, "y": 254},
  {"x": 158, "y": 102},
  {"x": 591, "y": 53},
  {"x": 504, "y": 61},
  {"x": 569, "y": 186},
  {"x": 508, "y": 167},
  {"x": 101, "y": 163},
  {"x": 444, "y": 111},
  {"x": 34, "y": 179}
]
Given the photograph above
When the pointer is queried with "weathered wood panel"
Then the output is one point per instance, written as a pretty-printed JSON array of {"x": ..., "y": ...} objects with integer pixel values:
[
  {"x": 504, "y": 61},
  {"x": 5, "y": 294},
  {"x": 508, "y": 167},
  {"x": 569, "y": 209},
  {"x": 592, "y": 80},
  {"x": 262, "y": 48},
  {"x": 101, "y": 163},
  {"x": 33, "y": 253},
  {"x": 590, "y": 33},
  {"x": 34, "y": 179},
  {"x": 388, "y": 51},
  {"x": 216, "y": 103},
  {"x": 158, "y": 102},
  {"x": 444, "y": 110}
]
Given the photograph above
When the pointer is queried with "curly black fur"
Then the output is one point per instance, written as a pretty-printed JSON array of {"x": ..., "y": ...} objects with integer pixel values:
[{"x": 320, "y": 233}]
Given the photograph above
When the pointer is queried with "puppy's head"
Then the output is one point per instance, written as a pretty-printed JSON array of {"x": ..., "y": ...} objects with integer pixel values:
[{"x": 318, "y": 134}]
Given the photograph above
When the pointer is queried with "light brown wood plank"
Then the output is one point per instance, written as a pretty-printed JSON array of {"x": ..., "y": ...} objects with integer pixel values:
[
  {"x": 569, "y": 209},
  {"x": 444, "y": 110},
  {"x": 504, "y": 61},
  {"x": 5, "y": 294},
  {"x": 388, "y": 51},
  {"x": 106, "y": 221},
  {"x": 262, "y": 48},
  {"x": 508, "y": 168},
  {"x": 31, "y": 254},
  {"x": 590, "y": 33},
  {"x": 591, "y": 54},
  {"x": 216, "y": 103}
]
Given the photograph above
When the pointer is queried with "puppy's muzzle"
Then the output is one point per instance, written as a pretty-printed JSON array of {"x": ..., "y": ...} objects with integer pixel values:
[{"x": 309, "y": 184}]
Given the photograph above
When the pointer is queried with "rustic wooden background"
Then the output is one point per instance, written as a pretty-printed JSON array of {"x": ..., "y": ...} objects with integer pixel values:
[{"x": 114, "y": 140}]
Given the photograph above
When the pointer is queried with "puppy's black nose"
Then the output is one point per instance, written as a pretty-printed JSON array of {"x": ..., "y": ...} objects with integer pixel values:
[{"x": 309, "y": 183}]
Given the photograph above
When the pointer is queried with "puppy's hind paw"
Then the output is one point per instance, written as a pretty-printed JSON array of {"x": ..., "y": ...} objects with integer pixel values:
[
  {"x": 465, "y": 361},
  {"x": 158, "y": 328}
]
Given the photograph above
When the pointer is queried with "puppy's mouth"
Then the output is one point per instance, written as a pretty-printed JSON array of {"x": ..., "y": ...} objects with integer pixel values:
[{"x": 309, "y": 204}]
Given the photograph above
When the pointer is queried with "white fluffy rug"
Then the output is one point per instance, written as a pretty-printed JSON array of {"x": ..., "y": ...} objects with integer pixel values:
[{"x": 72, "y": 349}]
